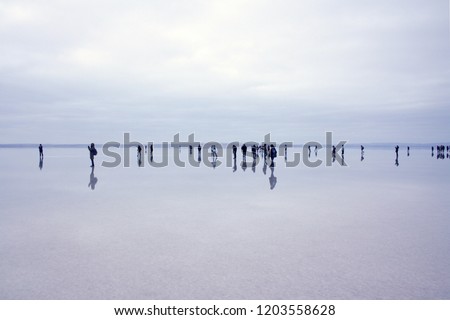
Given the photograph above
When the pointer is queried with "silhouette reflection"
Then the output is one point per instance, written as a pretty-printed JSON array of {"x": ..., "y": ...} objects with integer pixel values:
[
  {"x": 272, "y": 178},
  {"x": 265, "y": 167},
  {"x": 41, "y": 163},
  {"x": 234, "y": 165},
  {"x": 254, "y": 165},
  {"x": 214, "y": 162},
  {"x": 92, "y": 180},
  {"x": 244, "y": 164}
]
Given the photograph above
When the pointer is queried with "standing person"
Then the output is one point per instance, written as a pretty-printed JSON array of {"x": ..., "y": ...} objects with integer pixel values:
[
  {"x": 273, "y": 153},
  {"x": 139, "y": 151},
  {"x": 92, "y": 153},
  {"x": 244, "y": 150},
  {"x": 41, "y": 151},
  {"x": 396, "y": 150},
  {"x": 254, "y": 151},
  {"x": 199, "y": 149},
  {"x": 214, "y": 151},
  {"x": 234, "y": 151},
  {"x": 151, "y": 149}
]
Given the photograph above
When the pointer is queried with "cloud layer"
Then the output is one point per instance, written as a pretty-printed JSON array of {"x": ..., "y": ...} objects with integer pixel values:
[{"x": 78, "y": 71}]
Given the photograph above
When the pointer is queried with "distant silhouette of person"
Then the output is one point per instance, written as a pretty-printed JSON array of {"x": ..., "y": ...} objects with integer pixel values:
[
  {"x": 92, "y": 153},
  {"x": 272, "y": 178},
  {"x": 285, "y": 151},
  {"x": 190, "y": 149},
  {"x": 309, "y": 151},
  {"x": 407, "y": 151},
  {"x": 396, "y": 155},
  {"x": 199, "y": 148},
  {"x": 41, "y": 163},
  {"x": 254, "y": 151},
  {"x": 92, "y": 180},
  {"x": 139, "y": 151},
  {"x": 244, "y": 150},
  {"x": 151, "y": 148},
  {"x": 41, "y": 151},
  {"x": 333, "y": 153},
  {"x": 342, "y": 151},
  {"x": 273, "y": 154},
  {"x": 362, "y": 152},
  {"x": 145, "y": 148},
  {"x": 234, "y": 151},
  {"x": 214, "y": 151}
]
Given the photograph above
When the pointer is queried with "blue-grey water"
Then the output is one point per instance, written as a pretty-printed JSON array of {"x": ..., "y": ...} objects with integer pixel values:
[{"x": 370, "y": 230}]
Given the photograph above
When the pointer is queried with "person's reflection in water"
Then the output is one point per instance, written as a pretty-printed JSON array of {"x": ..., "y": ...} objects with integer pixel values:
[
  {"x": 199, "y": 158},
  {"x": 41, "y": 163},
  {"x": 139, "y": 161},
  {"x": 244, "y": 165},
  {"x": 234, "y": 165},
  {"x": 272, "y": 178},
  {"x": 264, "y": 169},
  {"x": 214, "y": 162},
  {"x": 93, "y": 180},
  {"x": 254, "y": 165}
]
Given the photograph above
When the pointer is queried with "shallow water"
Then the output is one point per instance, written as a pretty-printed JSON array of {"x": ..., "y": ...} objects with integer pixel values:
[{"x": 370, "y": 230}]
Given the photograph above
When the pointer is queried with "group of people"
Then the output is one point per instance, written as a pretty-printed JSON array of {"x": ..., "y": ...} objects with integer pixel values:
[
  {"x": 440, "y": 150},
  {"x": 266, "y": 151}
]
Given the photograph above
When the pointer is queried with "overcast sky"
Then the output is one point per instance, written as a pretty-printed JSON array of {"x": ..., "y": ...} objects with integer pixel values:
[{"x": 81, "y": 71}]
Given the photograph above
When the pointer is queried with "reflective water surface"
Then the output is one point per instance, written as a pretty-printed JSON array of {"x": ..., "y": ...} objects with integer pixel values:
[{"x": 375, "y": 229}]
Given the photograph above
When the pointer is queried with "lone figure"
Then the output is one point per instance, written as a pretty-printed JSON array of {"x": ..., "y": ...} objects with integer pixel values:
[
  {"x": 41, "y": 151},
  {"x": 244, "y": 150},
  {"x": 92, "y": 153}
]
